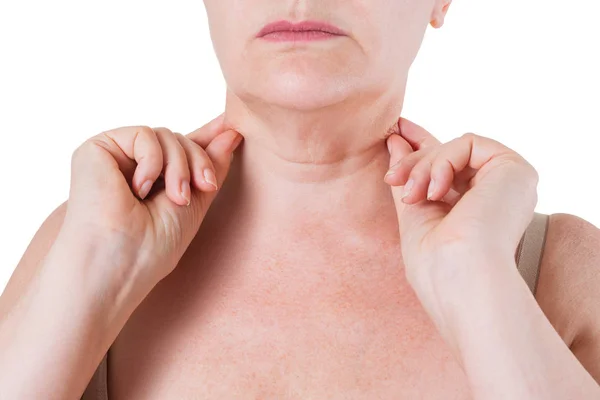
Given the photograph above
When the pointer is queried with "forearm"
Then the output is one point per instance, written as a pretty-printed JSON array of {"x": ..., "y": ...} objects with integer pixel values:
[
  {"x": 54, "y": 337},
  {"x": 507, "y": 346}
]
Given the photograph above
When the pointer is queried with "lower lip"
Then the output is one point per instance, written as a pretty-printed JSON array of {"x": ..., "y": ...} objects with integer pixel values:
[{"x": 298, "y": 36}]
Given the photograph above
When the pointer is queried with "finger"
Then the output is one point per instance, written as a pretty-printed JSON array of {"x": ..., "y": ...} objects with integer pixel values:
[
  {"x": 442, "y": 179},
  {"x": 137, "y": 143},
  {"x": 425, "y": 183},
  {"x": 418, "y": 181},
  {"x": 220, "y": 151},
  {"x": 176, "y": 168},
  {"x": 451, "y": 167},
  {"x": 398, "y": 173},
  {"x": 469, "y": 153},
  {"x": 446, "y": 176},
  {"x": 416, "y": 135},
  {"x": 499, "y": 181},
  {"x": 398, "y": 148},
  {"x": 432, "y": 178},
  {"x": 205, "y": 134},
  {"x": 203, "y": 173}
]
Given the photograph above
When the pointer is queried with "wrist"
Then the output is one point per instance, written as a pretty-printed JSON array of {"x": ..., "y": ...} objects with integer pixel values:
[
  {"x": 106, "y": 263},
  {"x": 98, "y": 270},
  {"x": 458, "y": 295},
  {"x": 65, "y": 320},
  {"x": 456, "y": 272}
]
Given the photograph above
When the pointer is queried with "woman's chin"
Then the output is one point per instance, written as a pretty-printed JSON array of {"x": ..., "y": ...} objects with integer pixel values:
[{"x": 300, "y": 93}]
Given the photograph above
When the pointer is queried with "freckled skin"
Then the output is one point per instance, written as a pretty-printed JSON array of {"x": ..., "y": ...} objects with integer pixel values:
[
  {"x": 294, "y": 286},
  {"x": 256, "y": 320}
]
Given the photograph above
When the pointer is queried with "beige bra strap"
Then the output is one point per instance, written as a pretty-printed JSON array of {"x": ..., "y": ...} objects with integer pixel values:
[
  {"x": 97, "y": 389},
  {"x": 531, "y": 249}
]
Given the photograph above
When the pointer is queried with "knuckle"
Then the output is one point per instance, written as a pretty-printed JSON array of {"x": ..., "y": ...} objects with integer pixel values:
[
  {"x": 470, "y": 136},
  {"x": 176, "y": 157},
  {"x": 77, "y": 153},
  {"x": 187, "y": 144},
  {"x": 163, "y": 130},
  {"x": 192, "y": 148},
  {"x": 438, "y": 163},
  {"x": 519, "y": 165},
  {"x": 83, "y": 150},
  {"x": 415, "y": 157},
  {"x": 144, "y": 130},
  {"x": 152, "y": 158},
  {"x": 535, "y": 176},
  {"x": 180, "y": 137}
]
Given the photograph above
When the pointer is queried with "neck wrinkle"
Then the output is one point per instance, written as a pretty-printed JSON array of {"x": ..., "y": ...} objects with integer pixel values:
[{"x": 299, "y": 167}]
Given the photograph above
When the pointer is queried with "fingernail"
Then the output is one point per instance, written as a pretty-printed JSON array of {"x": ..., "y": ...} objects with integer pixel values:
[
  {"x": 185, "y": 191},
  {"x": 431, "y": 189},
  {"x": 389, "y": 145},
  {"x": 407, "y": 188},
  {"x": 145, "y": 189},
  {"x": 210, "y": 178}
]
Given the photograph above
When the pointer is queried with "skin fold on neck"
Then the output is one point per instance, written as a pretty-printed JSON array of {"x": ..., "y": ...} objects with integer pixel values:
[{"x": 325, "y": 165}]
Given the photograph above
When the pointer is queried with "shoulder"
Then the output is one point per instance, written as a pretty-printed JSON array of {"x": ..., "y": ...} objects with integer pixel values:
[
  {"x": 568, "y": 285},
  {"x": 28, "y": 266}
]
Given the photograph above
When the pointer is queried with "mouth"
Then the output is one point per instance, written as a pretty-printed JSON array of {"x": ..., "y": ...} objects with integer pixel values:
[{"x": 302, "y": 31}]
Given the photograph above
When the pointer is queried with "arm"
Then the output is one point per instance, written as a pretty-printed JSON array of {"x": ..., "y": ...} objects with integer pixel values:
[
  {"x": 504, "y": 340},
  {"x": 58, "y": 316},
  {"x": 61, "y": 312}
]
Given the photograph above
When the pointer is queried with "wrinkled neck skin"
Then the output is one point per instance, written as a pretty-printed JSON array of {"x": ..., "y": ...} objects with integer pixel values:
[{"x": 325, "y": 165}]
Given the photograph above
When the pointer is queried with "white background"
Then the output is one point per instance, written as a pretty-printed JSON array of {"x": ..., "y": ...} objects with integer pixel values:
[{"x": 526, "y": 73}]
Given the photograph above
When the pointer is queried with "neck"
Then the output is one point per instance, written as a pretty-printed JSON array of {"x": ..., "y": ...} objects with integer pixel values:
[{"x": 299, "y": 165}]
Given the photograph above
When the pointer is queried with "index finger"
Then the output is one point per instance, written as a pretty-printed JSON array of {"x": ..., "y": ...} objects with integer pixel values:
[
  {"x": 416, "y": 135},
  {"x": 205, "y": 134}
]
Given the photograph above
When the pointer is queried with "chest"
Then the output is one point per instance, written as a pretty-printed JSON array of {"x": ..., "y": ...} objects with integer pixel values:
[{"x": 270, "y": 325}]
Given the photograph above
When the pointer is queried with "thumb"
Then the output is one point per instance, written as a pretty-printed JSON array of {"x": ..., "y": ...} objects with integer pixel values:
[
  {"x": 220, "y": 151},
  {"x": 398, "y": 148}
]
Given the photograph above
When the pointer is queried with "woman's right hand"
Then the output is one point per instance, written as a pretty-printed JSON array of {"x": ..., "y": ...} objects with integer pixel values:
[{"x": 143, "y": 233}]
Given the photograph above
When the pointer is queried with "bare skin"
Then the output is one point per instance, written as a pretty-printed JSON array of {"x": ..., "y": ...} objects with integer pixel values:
[
  {"x": 265, "y": 305},
  {"x": 294, "y": 286},
  {"x": 284, "y": 325},
  {"x": 270, "y": 305}
]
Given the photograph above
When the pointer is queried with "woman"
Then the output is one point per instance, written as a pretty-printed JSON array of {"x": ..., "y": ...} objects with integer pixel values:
[{"x": 302, "y": 275}]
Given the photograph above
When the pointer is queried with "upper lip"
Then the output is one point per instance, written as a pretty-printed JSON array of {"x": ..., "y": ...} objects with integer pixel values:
[{"x": 282, "y": 25}]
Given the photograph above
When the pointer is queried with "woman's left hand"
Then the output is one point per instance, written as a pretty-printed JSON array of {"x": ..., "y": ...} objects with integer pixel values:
[{"x": 483, "y": 199}]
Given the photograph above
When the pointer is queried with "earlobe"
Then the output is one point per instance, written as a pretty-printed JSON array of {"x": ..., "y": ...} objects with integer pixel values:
[
  {"x": 439, "y": 13},
  {"x": 436, "y": 24}
]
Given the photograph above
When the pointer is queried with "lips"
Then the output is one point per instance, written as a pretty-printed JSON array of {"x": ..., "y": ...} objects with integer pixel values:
[{"x": 304, "y": 26}]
